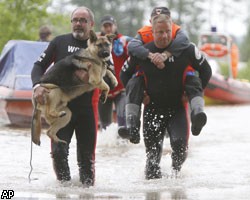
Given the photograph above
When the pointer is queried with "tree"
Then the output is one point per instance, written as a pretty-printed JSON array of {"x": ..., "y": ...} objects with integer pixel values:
[
  {"x": 20, "y": 19},
  {"x": 245, "y": 46},
  {"x": 131, "y": 14},
  {"x": 128, "y": 13}
]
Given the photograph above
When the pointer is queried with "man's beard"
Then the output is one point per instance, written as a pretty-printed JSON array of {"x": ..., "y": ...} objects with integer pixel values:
[{"x": 79, "y": 35}]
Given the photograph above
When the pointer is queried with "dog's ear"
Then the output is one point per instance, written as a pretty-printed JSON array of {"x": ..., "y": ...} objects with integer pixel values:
[
  {"x": 110, "y": 37},
  {"x": 92, "y": 36}
]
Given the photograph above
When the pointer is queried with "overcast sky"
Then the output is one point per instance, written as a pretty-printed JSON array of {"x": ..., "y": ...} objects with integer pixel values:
[
  {"x": 214, "y": 12},
  {"x": 233, "y": 25}
]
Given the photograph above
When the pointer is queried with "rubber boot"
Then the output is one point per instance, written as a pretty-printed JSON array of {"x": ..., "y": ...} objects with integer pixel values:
[
  {"x": 198, "y": 116},
  {"x": 60, "y": 162},
  {"x": 86, "y": 166},
  {"x": 178, "y": 156},
  {"x": 152, "y": 169},
  {"x": 132, "y": 129}
]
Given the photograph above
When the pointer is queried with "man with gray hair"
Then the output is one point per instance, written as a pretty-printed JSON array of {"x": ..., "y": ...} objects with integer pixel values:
[{"x": 84, "y": 108}]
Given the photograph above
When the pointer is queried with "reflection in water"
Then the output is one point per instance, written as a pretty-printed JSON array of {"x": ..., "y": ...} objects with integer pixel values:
[
  {"x": 153, "y": 196},
  {"x": 178, "y": 194},
  {"x": 171, "y": 194}
]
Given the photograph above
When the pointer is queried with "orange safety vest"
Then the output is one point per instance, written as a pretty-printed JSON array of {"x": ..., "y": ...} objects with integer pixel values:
[{"x": 147, "y": 35}]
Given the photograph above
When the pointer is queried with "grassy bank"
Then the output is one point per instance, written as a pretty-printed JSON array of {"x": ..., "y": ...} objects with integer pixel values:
[{"x": 243, "y": 73}]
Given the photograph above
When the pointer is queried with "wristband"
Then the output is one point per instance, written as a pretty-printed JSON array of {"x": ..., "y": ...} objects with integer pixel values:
[
  {"x": 36, "y": 86},
  {"x": 165, "y": 56}
]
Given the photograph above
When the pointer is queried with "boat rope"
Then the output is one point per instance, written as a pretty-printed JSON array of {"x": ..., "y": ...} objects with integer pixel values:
[{"x": 31, "y": 167}]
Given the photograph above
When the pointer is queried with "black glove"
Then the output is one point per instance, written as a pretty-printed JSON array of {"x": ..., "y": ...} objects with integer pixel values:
[
  {"x": 108, "y": 81},
  {"x": 110, "y": 67}
]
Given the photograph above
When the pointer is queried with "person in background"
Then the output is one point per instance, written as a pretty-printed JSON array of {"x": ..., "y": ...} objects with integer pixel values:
[
  {"x": 116, "y": 96},
  {"x": 166, "y": 109},
  {"x": 45, "y": 34},
  {"x": 135, "y": 84},
  {"x": 84, "y": 120}
]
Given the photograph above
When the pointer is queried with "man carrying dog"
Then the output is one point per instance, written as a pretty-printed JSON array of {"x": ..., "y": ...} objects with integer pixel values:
[{"x": 84, "y": 108}]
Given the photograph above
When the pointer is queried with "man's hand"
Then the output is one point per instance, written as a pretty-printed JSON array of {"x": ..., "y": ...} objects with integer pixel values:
[
  {"x": 107, "y": 80},
  {"x": 166, "y": 55},
  {"x": 39, "y": 94},
  {"x": 158, "y": 59},
  {"x": 146, "y": 98},
  {"x": 184, "y": 98}
]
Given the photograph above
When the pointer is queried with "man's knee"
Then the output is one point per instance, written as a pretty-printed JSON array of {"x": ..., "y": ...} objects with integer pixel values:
[
  {"x": 59, "y": 150},
  {"x": 193, "y": 87},
  {"x": 136, "y": 82},
  {"x": 135, "y": 90}
]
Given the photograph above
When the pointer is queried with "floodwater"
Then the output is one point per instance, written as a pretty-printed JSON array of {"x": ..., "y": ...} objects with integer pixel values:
[{"x": 217, "y": 166}]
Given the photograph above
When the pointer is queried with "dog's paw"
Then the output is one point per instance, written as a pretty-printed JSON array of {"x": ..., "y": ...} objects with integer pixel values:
[{"x": 114, "y": 83}]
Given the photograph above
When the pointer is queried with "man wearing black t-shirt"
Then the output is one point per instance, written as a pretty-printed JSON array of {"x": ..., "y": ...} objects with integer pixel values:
[{"x": 84, "y": 108}]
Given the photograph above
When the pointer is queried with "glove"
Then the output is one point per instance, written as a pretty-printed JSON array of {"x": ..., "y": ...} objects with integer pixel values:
[
  {"x": 108, "y": 81},
  {"x": 110, "y": 67}
]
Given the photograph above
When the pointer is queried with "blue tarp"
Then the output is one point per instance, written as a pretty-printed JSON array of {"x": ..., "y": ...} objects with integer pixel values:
[{"x": 16, "y": 62}]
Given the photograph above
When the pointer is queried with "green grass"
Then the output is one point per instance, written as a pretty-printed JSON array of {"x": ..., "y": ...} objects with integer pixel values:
[
  {"x": 242, "y": 74},
  {"x": 245, "y": 72}
]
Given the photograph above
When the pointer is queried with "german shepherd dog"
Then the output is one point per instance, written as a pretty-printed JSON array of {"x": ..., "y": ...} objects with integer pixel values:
[{"x": 64, "y": 85}]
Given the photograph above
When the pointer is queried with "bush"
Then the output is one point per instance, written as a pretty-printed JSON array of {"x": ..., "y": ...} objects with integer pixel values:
[{"x": 245, "y": 72}]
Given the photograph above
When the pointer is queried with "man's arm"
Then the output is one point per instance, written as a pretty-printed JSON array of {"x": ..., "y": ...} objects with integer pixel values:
[
  {"x": 39, "y": 68},
  {"x": 127, "y": 71},
  {"x": 200, "y": 64},
  {"x": 136, "y": 48},
  {"x": 179, "y": 43},
  {"x": 43, "y": 62}
]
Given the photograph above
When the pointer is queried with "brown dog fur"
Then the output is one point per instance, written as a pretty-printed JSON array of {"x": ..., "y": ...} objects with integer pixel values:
[{"x": 68, "y": 86}]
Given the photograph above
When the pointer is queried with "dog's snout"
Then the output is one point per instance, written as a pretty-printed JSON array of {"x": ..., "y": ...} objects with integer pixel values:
[{"x": 104, "y": 54}]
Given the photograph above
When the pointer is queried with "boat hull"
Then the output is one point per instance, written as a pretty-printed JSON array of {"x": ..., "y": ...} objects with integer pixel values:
[
  {"x": 19, "y": 111},
  {"x": 16, "y": 107},
  {"x": 228, "y": 90}
]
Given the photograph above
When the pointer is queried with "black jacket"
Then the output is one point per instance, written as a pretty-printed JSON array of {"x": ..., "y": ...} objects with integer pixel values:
[{"x": 166, "y": 86}]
